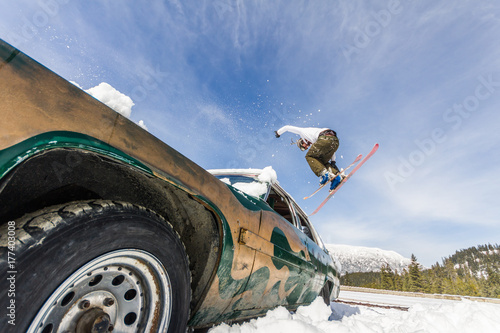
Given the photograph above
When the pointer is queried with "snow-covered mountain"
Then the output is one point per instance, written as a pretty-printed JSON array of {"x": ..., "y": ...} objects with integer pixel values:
[{"x": 366, "y": 259}]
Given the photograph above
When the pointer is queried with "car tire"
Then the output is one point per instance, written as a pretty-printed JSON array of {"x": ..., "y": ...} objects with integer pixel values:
[{"x": 98, "y": 265}]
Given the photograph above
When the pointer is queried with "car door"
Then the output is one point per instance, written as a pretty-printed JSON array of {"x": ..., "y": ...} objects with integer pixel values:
[{"x": 290, "y": 273}]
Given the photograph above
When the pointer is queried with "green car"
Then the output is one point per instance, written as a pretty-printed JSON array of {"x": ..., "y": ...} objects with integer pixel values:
[{"x": 103, "y": 227}]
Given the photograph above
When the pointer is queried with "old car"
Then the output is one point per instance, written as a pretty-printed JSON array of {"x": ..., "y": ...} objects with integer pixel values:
[{"x": 106, "y": 228}]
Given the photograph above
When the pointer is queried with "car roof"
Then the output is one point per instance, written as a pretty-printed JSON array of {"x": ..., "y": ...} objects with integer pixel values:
[
  {"x": 242, "y": 172},
  {"x": 254, "y": 173}
]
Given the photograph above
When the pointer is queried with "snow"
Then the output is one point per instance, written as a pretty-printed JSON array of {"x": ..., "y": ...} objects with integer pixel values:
[
  {"x": 490, "y": 252},
  {"x": 366, "y": 259},
  {"x": 119, "y": 102},
  {"x": 268, "y": 175},
  {"x": 141, "y": 124},
  {"x": 254, "y": 189},
  {"x": 114, "y": 99},
  {"x": 440, "y": 317},
  {"x": 264, "y": 177},
  {"x": 248, "y": 171},
  {"x": 378, "y": 297}
]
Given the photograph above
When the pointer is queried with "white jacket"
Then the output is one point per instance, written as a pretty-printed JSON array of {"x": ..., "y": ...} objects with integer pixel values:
[{"x": 311, "y": 134}]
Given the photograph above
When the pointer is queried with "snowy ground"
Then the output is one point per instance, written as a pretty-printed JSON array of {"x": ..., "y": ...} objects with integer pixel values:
[{"x": 423, "y": 315}]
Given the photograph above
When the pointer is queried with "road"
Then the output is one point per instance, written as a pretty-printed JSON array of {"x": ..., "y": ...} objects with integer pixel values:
[{"x": 399, "y": 299}]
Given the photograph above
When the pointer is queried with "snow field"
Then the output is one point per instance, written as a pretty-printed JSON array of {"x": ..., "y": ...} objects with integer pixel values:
[{"x": 450, "y": 316}]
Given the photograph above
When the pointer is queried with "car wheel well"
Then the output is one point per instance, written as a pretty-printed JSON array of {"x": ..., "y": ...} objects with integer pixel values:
[
  {"x": 62, "y": 175},
  {"x": 326, "y": 292}
]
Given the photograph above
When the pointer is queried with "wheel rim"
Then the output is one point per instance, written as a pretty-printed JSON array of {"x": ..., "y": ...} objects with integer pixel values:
[{"x": 122, "y": 291}]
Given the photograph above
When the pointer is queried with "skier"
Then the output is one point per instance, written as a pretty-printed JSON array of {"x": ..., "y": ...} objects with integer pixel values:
[{"x": 322, "y": 144}]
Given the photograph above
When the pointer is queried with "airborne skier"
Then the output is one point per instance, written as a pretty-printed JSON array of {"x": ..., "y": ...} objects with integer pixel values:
[{"x": 322, "y": 144}]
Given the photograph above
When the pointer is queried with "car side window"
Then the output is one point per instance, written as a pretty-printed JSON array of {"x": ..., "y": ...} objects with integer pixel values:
[
  {"x": 308, "y": 229},
  {"x": 280, "y": 205},
  {"x": 305, "y": 227},
  {"x": 288, "y": 209}
]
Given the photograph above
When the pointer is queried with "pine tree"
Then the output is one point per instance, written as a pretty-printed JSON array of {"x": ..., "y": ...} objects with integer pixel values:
[
  {"x": 386, "y": 277},
  {"x": 474, "y": 272},
  {"x": 436, "y": 279},
  {"x": 491, "y": 287},
  {"x": 398, "y": 281},
  {"x": 415, "y": 276},
  {"x": 346, "y": 281},
  {"x": 406, "y": 280}
]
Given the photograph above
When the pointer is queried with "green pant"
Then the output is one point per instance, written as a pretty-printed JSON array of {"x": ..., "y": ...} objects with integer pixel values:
[{"x": 320, "y": 153}]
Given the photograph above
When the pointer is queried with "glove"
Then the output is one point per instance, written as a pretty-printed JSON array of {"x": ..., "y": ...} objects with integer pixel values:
[{"x": 276, "y": 134}]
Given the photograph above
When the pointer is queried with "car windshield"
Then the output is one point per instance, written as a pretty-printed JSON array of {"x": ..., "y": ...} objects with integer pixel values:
[{"x": 246, "y": 184}]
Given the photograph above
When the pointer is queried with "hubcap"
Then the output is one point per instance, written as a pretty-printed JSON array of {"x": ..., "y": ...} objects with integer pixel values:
[{"x": 121, "y": 291}]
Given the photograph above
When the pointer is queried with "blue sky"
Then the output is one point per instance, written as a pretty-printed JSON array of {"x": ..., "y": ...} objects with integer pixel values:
[{"x": 214, "y": 79}]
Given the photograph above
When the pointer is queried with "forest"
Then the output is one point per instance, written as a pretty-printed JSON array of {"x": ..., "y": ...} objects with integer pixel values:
[{"x": 470, "y": 272}]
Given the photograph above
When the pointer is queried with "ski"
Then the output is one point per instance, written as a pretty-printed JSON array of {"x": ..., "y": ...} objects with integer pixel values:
[
  {"x": 330, "y": 195},
  {"x": 328, "y": 182}
]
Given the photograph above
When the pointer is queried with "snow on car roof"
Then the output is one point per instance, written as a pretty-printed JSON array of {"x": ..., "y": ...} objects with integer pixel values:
[
  {"x": 266, "y": 175},
  {"x": 258, "y": 188}
]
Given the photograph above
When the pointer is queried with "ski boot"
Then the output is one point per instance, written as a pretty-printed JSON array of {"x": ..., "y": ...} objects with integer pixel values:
[
  {"x": 324, "y": 178},
  {"x": 335, "y": 182}
]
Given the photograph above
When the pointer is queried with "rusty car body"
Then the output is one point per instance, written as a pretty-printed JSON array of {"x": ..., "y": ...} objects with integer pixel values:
[{"x": 104, "y": 225}]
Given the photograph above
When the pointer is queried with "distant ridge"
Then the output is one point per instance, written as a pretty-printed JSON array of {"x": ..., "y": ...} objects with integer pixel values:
[
  {"x": 361, "y": 259},
  {"x": 476, "y": 260}
]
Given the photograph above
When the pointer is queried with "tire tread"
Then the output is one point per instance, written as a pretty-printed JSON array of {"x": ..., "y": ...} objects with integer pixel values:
[{"x": 31, "y": 227}]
